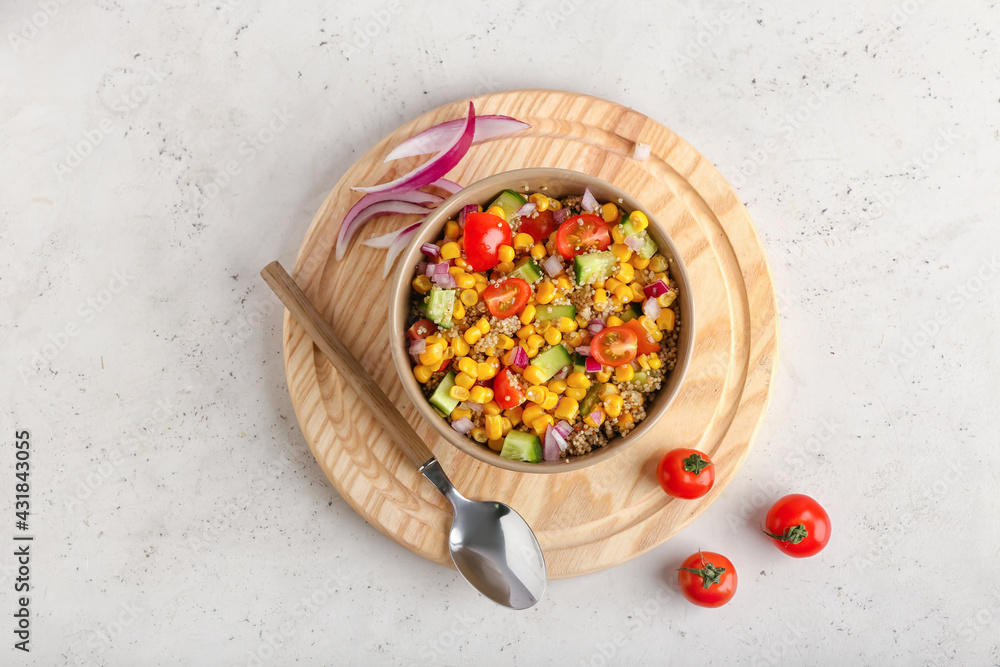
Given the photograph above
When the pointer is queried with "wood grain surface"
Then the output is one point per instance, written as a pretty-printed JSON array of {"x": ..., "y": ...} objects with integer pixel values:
[{"x": 605, "y": 514}]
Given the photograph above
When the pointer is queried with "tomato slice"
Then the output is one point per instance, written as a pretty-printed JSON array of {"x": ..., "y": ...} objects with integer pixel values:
[
  {"x": 582, "y": 233},
  {"x": 506, "y": 390},
  {"x": 646, "y": 343},
  {"x": 506, "y": 297},
  {"x": 421, "y": 329},
  {"x": 540, "y": 227},
  {"x": 484, "y": 234},
  {"x": 614, "y": 346}
]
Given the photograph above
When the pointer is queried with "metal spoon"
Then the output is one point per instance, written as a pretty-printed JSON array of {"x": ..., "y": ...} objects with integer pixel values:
[{"x": 491, "y": 545}]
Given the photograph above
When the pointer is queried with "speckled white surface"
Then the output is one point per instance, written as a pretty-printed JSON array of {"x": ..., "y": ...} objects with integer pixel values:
[{"x": 179, "y": 517}]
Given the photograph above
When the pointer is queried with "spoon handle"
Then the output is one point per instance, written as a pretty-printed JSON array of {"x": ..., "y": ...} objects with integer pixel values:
[{"x": 322, "y": 334}]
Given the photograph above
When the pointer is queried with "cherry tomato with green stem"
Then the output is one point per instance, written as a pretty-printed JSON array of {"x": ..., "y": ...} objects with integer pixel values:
[
  {"x": 798, "y": 525},
  {"x": 686, "y": 473},
  {"x": 707, "y": 579}
]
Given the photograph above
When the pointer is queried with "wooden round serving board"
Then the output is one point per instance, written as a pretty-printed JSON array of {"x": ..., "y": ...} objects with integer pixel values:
[{"x": 602, "y": 515}]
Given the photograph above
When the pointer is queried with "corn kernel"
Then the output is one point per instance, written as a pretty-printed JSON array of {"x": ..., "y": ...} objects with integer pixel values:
[
  {"x": 611, "y": 284},
  {"x": 543, "y": 326},
  {"x": 555, "y": 204},
  {"x": 617, "y": 234},
  {"x": 600, "y": 296},
  {"x": 505, "y": 425},
  {"x": 455, "y": 271},
  {"x": 487, "y": 370},
  {"x": 422, "y": 284},
  {"x": 626, "y": 273},
  {"x": 545, "y": 293},
  {"x": 497, "y": 211},
  {"x": 532, "y": 352},
  {"x": 450, "y": 250},
  {"x": 581, "y": 322},
  {"x": 566, "y": 325},
  {"x": 576, "y": 393},
  {"x": 491, "y": 408},
  {"x": 472, "y": 335},
  {"x": 643, "y": 362},
  {"x": 575, "y": 339},
  {"x": 464, "y": 280},
  {"x": 604, "y": 374},
  {"x": 639, "y": 262},
  {"x": 458, "y": 310},
  {"x": 481, "y": 394},
  {"x": 563, "y": 283},
  {"x": 551, "y": 400},
  {"x": 469, "y": 297},
  {"x": 528, "y": 314},
  {"x": 609, "y": 212},
  {"x": 504, "y": 267},
  {"x": 657, "y": 263},
  {"x": 598, "y": 284},
  {"x": 525, "y": 331},
  {"x": 538, "y": 251},
  {"x": 464, "y": 380},
  {"x": 433, "y": 339},
  {"x": 483, "y": 325},
  {"x": 637, "y": 294},
  {"x": 541, "y": 424},
  {"x": 523, "y": 241},
  {"x": 626, "y": 422},
  {"x": 639, "y": 220},
  {"x": 655, "y": 362},
  {"x": 567, "y": 408},
  {"x": 536, "y": 394},
  {"x": 478, "y": 434},
  {"x": 624, "y": 373},
  {"x": 458, "y": 392},
  {"x": 458, "y": 413},
  {"x": 505, "y": 253},
  {"x": 540, "y": 201},
  {"x": 666, "y": 320},
  {"x": 423, "y": 373},
  {"x": 432, "y": 356},
  {"x": 534, "y": 374},
  {"x": 462, "y": 264},
  {"x": 615, "y": 321},
  {"x": 578, "y": 379},
  {"x": 553, "y": 336},
  {"x": 459, "y": 347},
  {"x": 595, "y": 418},
  {"x": 496, "y": 444},
  {"x": 650, "y": 327},
  {"x": 666, "y": 299},
  {"x": 613, "y": 405},
  {"x": 532, "y": 412},
  {"x": 607, "y": 389},
  {"x": 514, "y": 414},
  {"x": 468, "y": 366},
  {"x": 659, "y": 275},
  {"x": 492, "y": 427},
  {"x": 452, "y": 230},
  {"x": 506, "y": 342},
  {"x": 535, "y": 341},
  {"x": 557, "y": 386},
  {"x": 480, "y": 287},
  {"x": 621, "y": 251},
  {"x": 623, "y": 293}
]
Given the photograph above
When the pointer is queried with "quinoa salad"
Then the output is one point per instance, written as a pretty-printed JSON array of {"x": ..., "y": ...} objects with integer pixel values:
[{"x": 542, "y": 328}]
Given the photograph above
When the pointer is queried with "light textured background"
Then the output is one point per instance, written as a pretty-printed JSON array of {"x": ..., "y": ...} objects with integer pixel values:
[{"x": 180, "y": 518}]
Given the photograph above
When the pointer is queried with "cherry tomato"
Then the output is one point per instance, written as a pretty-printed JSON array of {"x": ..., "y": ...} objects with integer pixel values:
[
  {"x": 581, "y": 233},
  {"x": 686, "y": 473},
  {"x": 798, "y": 525},
  {"x": 506, "y": 297},
  {"x": 614, "y": 346},
  {"x": 707, "y": 579},
  {"x": 421, "y": 329},
  {"x": 506, "y": 390},
  {"x": 540, "y": 227},
  {"x": 646, "y": 343},
  {"x": 484, "y": 234}
]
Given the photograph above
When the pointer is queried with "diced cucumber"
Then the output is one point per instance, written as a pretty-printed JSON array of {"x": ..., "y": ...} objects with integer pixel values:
[
  {"x": 640, "y": 377},
  {"x": 528, "y": 270},
  {"x": 591, "y": 399},
  {"x": 648, "y": 248},
  {"x": 441, "y": 399},
  {"x": 579, "y": 363},
  {"x": 440, "y": 305},
  {"x": 550, "y": 312},
  {"x": 633, "y": 311},
  {"x": 510, "y": 202},
  {"x": 521, "y": 446},
  {"x": 593, "y": 266},
  {"x": 552, "y": 360}
]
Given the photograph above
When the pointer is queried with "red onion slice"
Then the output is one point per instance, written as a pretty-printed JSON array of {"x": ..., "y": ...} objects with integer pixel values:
[
  {"x": 354, "y": 219},
  {"x": 471, "y": 405},
  {"x": 583, "y": 350},
  {"x": 519, "y": 358},
  {"x": 560, "y": 215},
  {"x": 430, "y": 250},
  {"x": 463, "y": 425},
  {"x": 554, "y": 445},
  {"x": 597, "y": 416},
  {"x": 553, "y": 266},
  {"x": 380, "y": 209},
  {"x": 659, "y": 288},
  {"x": 651, "y": 308},
  {"x": 437, "y": 166},
  {"x": 445, "y": 184},
  {"x": 526, "y": 210},
  {"x": 395, "y": 242},
  {"x": 444, "y": 280},
  {"x": 419, "y": 346},
  {"x": 564, "y": 428},
  {"x": 440, "y": 136},
  {"x": 589, "y": 203},
  {"x": 441, "y": 268},
  {"x": 429, "y": 270},
  {"x": 595, "y": 326},
  {"x": 634, "y": 243},
  {"x": 593, "y": 365},
  {"x": 466, "y": 210},
  {"x": 641, "y": 152},
  {"x": 562, "y": 374}
]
